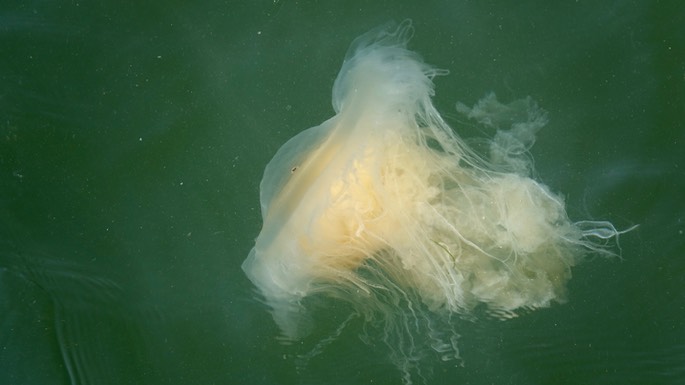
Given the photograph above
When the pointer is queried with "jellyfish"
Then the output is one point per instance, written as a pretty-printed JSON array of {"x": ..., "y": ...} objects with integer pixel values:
[{"x": 385, "y": 207}]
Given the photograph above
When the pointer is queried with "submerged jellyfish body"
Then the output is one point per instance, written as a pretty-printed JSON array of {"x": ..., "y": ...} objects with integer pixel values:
[{"x": 384, "y": 207}]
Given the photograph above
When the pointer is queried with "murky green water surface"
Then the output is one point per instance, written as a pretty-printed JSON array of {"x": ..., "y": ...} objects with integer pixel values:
[{"x": 133, "y": 138}]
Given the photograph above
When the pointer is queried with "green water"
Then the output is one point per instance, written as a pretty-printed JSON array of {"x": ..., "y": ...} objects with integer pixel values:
[{"x": 133, "y": 138}]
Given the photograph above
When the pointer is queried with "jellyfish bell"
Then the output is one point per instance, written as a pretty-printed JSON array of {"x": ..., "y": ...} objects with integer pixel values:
[
  {"x": 386, "y": 207},
  {"x": 321, "y": 193}
]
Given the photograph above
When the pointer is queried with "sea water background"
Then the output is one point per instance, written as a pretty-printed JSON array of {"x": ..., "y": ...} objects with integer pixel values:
[{"x": 133, "y": 136}]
